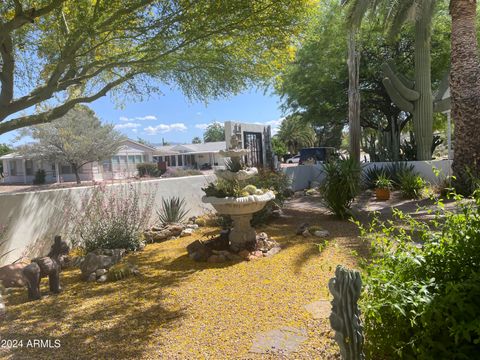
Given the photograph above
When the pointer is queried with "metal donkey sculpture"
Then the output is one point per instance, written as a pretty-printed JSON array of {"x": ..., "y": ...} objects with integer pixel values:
[{"x": 50, "y": 266}]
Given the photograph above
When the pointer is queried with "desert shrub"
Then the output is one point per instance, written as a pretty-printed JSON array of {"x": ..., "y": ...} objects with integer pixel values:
[
  {"x": 411, "y": 185},
  {"x": 370, "y": 176},
  {"x": 148, "y": 169},
  {"x": 420, "y": 298},
  {"x": 112, "y": 217},
  {"x": 173, "y": 210},
  {"x": 39, "y": 177},
  {"x": 279, "y": 183},
  {"x": 181, "y": 173},
  {"x": 341, "y": 185},
  {"x": 392, "y": 171}
]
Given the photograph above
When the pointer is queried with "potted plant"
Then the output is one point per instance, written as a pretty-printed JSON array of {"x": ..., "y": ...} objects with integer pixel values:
[{"x": 383, "y": 186}]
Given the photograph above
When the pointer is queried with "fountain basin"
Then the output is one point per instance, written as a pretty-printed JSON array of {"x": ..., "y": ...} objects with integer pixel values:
[
  {"x": 241, "y": 210},
  {"x": 239, "y": 175}
]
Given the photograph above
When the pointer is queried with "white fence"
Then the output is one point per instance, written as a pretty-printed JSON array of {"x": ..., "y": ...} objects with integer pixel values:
[
  {"x": 304, "y": 175},
  {"x": 33, "y": 218}
]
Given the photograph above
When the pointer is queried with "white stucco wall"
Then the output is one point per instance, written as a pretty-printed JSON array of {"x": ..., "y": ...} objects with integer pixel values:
[
  {"x": 303, "y": 175},
  {"x": 33, "y": 218}
]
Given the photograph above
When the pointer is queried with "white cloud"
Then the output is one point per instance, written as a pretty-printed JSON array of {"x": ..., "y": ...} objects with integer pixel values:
[
  {"x": 134, "y": 130},
  {"x": 164, "y": 128},
  {"x": 201, "y": 126},
  {"x": 138, "y": 118},
  {"x": 128, "y": 125}
]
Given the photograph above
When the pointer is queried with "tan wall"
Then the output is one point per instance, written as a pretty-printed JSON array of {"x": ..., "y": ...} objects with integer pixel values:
[{"x": 33, "y": 218}]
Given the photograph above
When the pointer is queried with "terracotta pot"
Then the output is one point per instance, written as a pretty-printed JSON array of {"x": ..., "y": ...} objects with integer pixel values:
[{"x": 382, "y": 194}]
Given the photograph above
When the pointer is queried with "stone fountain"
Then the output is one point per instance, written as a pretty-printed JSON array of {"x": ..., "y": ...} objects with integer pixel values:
[{"x": 240, "y": 209}]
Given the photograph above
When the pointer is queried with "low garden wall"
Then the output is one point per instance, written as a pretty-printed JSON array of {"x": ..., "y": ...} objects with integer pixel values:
[
  {"x": 33, "y": 218},
  {"x": 304, "y": 175}
]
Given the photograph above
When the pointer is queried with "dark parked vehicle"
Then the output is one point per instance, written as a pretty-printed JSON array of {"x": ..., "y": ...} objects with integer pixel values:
[{"x": 316, "y": 155}]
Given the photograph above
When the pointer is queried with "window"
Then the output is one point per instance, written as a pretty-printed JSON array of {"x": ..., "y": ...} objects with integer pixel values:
[
  {"x": 123, "y": 160},
  {"x": 66, "y": 169},
  {"x": 173, "y": 160},
  {"x": 138, "y": 158},
  {"x": 115, "y": 160},
  {"x": 107, "y": 165},
  {"x": 13, "y": 167},
  {"x": 180, "y": 160},
  {"x": 29, "y": 167},
  {"x": 131, "y": 159}
]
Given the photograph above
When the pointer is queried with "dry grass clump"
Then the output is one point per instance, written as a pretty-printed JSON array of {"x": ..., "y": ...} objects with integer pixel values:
[{"x": 179, "y": 309}]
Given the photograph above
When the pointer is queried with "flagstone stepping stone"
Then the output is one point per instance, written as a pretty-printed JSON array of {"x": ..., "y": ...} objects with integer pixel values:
[
  {"x": 319, "y": 309},
  {"x": 283, "y": 340}
]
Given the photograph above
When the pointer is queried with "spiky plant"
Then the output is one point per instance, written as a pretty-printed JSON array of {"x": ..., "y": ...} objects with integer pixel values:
[
  {"x": 234, "y": 164},
  {"x": 173, "y": 210}
]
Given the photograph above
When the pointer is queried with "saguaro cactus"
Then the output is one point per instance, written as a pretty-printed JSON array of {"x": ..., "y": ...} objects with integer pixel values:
[
  {"x": 416, "y": 96},
  {"x": 345, "y": 317}
]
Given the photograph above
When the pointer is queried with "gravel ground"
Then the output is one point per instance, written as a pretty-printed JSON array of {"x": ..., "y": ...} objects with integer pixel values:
[{"x": 179, "y": 309}]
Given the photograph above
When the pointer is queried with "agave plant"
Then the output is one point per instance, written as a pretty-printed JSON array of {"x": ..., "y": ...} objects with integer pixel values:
[{"x": 173, "y": 210}]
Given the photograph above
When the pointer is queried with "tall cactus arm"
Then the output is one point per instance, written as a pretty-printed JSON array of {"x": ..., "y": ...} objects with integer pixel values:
[
  {"x": 397, "y": 98},
  {"x": 406, "y": 92},
  {"x": 442, "y": 105},
  {"x": 405, "y": 80}
]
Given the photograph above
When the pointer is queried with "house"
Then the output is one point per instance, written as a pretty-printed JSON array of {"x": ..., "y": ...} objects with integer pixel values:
[
  {"x": 193, "y": 156},
  {"x": 21, "y": 169}
]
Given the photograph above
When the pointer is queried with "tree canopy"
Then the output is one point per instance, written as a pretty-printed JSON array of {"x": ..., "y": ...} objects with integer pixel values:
[
  {"x": 76, "y": 139},
  {"x": 214, "y": 132},
  {"x": 295, "y": 134},
  {"x": 196, "y": 140},
  {"x": 66, "y": 52}
]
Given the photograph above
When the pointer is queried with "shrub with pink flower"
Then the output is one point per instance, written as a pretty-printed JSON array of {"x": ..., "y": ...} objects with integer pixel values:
[{"x": 113, "y": 217}]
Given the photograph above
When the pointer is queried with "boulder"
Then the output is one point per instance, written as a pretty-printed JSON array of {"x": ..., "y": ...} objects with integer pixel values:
[
  {"x": 93, "y": 262},
  {"x": 174, "y": 229},
  {"x": 301, "y": 229},
  {"x": 102, "y": 279},
  {"x": 321, "y": 233},
  {"x": 100, "y": 272},
  {"x": 187, "y": 232}
]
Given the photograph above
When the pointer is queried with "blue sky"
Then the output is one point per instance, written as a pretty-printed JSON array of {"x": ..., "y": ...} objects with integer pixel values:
[{"x": 173, "y": 117}]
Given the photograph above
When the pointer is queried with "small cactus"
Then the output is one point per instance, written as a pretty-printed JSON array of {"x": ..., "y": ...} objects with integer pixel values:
[
  {"x": 345, "y": 317},
  {"x": 122, "y": 271}
]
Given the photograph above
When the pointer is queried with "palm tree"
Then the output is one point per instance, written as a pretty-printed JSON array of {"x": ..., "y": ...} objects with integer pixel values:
[
  {"x": 396, "y": 13},
  {"x": 465, "y": 92},
  {"x": 295, "y": 134}
]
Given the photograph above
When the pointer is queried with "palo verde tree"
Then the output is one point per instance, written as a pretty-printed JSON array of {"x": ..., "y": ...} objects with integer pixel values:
[
  {"x": 61, "y": 53},
  {"x": 214, "y": 132},
  {"x": 76, "y": 139}
]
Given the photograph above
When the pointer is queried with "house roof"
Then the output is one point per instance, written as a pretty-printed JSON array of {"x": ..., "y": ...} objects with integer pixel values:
[
  {"x": 11, "y": 156},
  {"x": 210, "y": 147}
]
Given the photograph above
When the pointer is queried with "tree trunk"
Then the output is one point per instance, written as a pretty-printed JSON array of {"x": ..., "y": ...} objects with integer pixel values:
[
  {"x": 77, "y": 175},
  {"x": 465, "y": 92},
  {"x": 353, "y": 62},
  {"x": 423, "y": 107}
]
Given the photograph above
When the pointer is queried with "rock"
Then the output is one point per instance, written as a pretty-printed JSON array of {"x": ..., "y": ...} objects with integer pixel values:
[
  {"x": 161, "y": 235},
  {"x": 192, "y": 226},
  {"x": 186, "y": 232},
  {"x": 92, "y": 277},
  {"x": 141, "y": 246},
  {"x": 174, "y": 229},
  {"x": 73, "y": 262},
  {"x": 198, "y": 251},
  {"x": 306, "y": 233},
  {"x": 244, "y": 254},
  {"x": 321, "y": 233},
  {"x": 102, "y": 279},
  {"x": 12, "y": 275},
  {"x": 93, "y": 262},
  {"x": 216, "y": 259},
  {"x": 281, "y": 341},
  {"x": 100, "y": 272},
  {"x": 258, "y": 254},
  {"x": 319, "y": 309},
  {"x": 273, "y": 251},
  {"x": 195, "y": 246},
  {"x": 301, "y": 229},
  {"x": 201, "y": 221}
]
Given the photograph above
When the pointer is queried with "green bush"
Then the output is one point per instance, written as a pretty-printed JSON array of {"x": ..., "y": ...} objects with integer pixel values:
[
  {"x": 341, "y": 185},
  {"x": 112, "y": 217},
  {"x": 421, "y": 289},
  {"x": 148, "y": 169},
  {"x": 173, "y": 210},
  {"x": 392, "y": 171},
  {"x": 39, "y": 177},
  {"x": 411, "y": 185}
]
